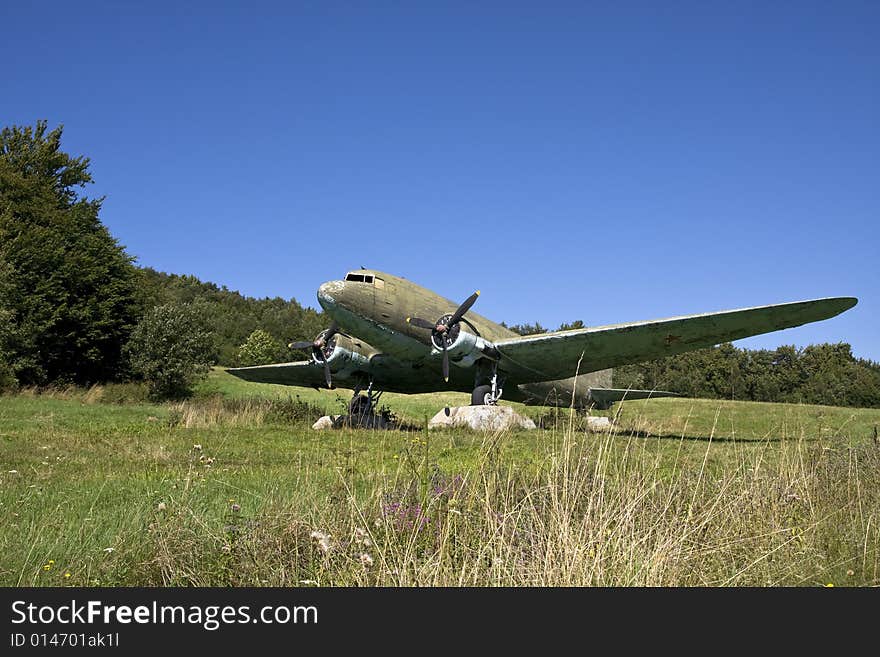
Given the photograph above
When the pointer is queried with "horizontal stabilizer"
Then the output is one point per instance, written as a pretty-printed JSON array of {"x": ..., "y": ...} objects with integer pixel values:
[{"x": 604, "y": 397}]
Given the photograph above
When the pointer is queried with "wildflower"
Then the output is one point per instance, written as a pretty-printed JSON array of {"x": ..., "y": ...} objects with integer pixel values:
[
  {"x": 362, "y": 537},
  {"x": 197, "y": 447},
  {"x": 850, "y": 572},
  {"x": 235, "y": 508},
  {"x": 108, "y": 550},
  {"x": 829, "y": 585},
  {"x": 66, "y": 575},
  {"x": 47, "y": 567},
  {"x": 366, "y": 560},
  {"x": 161, "y": 506},
  {"x": 323, "y": 540}
]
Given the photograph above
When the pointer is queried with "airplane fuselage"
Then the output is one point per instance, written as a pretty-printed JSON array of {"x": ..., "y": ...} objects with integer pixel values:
[
  {"x": 375, "y": 306},
  {"x": 377, "y": 311}
]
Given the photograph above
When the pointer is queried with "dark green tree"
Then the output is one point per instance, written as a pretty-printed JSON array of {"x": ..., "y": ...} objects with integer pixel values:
[
  {"x": 70, "y": 286},
  {"x": 171, "y": 349},
  {"x": 7, "y": 376}
]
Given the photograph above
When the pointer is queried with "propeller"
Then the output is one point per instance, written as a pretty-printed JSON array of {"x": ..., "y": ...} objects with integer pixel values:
[
  {"x": 322, "y": 348},
  {"x": 445, "y": 330}
]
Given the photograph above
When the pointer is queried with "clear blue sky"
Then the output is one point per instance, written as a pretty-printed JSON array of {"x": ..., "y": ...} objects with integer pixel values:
[{"x": 599, "y": 161}]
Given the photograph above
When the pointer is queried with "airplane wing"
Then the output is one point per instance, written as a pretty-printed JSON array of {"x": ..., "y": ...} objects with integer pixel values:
[
  {"x": 305, "y": 373},
  {"x": 387, "y": 374},
  {"x": 556, "y": 355}
]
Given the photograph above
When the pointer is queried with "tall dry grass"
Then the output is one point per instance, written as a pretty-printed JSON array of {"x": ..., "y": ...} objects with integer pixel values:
[
  {"x": 599, "y": 509},
  {"x": 241, "y": 412}
]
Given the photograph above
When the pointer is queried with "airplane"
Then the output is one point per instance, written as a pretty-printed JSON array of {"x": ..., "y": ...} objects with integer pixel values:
[{"x": 401, "y": 337}]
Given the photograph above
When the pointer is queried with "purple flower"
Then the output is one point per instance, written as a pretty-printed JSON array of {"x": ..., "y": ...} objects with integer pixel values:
[{"x": 405, "y": 516}]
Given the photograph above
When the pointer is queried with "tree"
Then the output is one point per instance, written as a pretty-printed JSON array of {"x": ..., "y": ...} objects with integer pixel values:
[
  {"x": 526, "y": 329},
  {"x": 171, "y": 349},
  {"x": 231, "y": 316},
  {"x": 7, "y": 375},
  {"x": 259, "y": 349},
  {"x": 70, "y": 287}
]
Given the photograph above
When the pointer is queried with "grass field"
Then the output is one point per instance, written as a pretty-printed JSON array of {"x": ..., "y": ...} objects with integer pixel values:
[{"x": 234, "y": 488}]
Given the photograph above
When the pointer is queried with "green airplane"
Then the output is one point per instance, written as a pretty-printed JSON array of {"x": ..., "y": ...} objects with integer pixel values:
[{"x": 389, "y": 345}]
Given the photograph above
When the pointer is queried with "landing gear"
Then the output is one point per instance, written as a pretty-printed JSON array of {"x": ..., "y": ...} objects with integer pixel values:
[
  {"x": 487, "y": 394},
  {"x": 481, "y": 396},
  {"x": 360, "y": 406},
  {"x": 364, "y": 406}
]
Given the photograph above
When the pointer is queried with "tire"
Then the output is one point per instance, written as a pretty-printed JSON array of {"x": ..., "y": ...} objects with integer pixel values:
[
  {"x": 478, "y": 396},
  {"x": 359, "y": 405}
]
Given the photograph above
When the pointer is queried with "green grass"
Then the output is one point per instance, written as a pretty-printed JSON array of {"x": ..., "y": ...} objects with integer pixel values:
[{"x": 228, "y": 488}]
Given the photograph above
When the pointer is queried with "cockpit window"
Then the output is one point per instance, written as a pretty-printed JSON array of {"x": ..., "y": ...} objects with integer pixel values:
[{"x": 359, "y": 278}]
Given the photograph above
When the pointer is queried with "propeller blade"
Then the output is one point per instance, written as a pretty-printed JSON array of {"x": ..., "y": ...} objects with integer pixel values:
[
  {"x": 472, "y": 327},
  {"x": 463, "y": 308},
  {"x": 327, "y": 376},
  {"x": 445, "y": 362},
  {"x": 301, "y": 345},
  {"x": 331, "y": 331},
  {"x": 420, "y": 323}
]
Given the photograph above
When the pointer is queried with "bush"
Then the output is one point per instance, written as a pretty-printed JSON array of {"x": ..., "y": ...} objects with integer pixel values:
[
  {"x": 259, "y": 349},
  {"x": 171, "y": 349}
]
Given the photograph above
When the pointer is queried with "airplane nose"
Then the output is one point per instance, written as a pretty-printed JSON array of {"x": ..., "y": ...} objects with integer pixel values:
[{"x": 328, "y": 294}]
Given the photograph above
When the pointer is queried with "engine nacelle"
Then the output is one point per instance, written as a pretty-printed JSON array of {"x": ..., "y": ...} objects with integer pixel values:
[
  {"x": 346, "y": 356},
  {"x": 466, "y": 348}
]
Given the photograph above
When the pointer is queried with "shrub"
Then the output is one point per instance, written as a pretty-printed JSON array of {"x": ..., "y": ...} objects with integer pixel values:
[
  {"x": 171, "y": 349},
  {"x": 259, "y": 349}
]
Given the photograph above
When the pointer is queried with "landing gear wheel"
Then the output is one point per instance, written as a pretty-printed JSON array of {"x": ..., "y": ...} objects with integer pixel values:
[
  {"x": 360, "y": 405},
  {"x": 481, "y": 396}
]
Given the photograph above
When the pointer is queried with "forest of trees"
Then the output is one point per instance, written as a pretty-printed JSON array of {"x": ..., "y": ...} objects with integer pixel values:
[
  {"x": 232, "y": 317},
  {"x": 75, "y": 309}
]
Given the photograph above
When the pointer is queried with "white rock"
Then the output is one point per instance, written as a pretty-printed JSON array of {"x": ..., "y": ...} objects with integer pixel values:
[
  {"x": 325, "y": 422},
  {"x": 480, "y": 418},
  {"x": 598, "y": 423}
]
